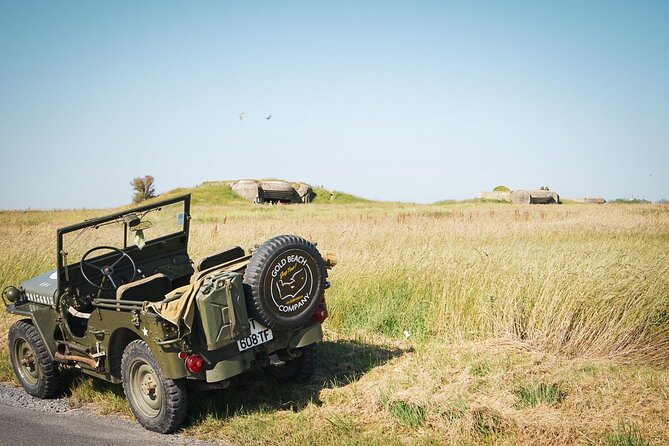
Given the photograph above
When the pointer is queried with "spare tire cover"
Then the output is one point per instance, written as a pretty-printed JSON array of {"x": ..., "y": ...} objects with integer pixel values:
[{"x": 284, "y": 282}]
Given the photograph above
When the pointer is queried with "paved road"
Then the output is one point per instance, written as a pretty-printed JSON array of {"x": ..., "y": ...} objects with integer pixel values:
[{"x": 35, "y": 426}]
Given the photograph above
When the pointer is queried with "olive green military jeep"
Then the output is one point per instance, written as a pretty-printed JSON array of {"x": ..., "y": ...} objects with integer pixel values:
[{"x": 128, "y": 305}]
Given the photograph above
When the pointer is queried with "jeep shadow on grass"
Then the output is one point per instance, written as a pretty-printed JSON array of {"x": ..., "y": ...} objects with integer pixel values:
[{"x": 339, "y": 364}]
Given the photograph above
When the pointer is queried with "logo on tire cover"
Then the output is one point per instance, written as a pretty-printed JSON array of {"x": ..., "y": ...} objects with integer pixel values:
[{"x": 290, "y": 283}]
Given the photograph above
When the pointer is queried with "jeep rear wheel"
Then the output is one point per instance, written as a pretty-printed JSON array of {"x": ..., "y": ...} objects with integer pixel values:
[
  {"x": 158, "y": 403},
  {"x": 31, "y": 362},
  {"x": 300, "y": 369},
  {"x": 284, "y": 282}
]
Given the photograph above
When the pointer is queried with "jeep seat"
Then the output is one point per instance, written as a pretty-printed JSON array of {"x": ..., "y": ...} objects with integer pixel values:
[
  {"x": 236, "y": 265},
  {"x": 152, "y": 289},
  {"x": 219, "y": 258}
]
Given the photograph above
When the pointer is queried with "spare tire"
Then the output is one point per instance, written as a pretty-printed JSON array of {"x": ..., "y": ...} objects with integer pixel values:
[{"x": 284, "y": 282}]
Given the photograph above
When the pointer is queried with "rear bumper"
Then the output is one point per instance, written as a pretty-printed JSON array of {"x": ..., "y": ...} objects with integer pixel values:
[{"x": 229, "y": 367}]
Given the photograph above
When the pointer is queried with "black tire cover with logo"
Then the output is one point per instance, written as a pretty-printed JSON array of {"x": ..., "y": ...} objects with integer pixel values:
[{"x": 284, "y": 282}]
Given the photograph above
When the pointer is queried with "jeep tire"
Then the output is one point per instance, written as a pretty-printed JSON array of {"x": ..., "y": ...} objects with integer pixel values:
[
  {"x": 284, "y": 282},
  {"x": 158, "y": 403},
  {"x": 37, "y": 372},
  {"x": 300, "y": 369}
]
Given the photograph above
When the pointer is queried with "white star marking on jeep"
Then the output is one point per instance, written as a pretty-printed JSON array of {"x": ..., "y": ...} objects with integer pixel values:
[{"x": 145, "y": 331}]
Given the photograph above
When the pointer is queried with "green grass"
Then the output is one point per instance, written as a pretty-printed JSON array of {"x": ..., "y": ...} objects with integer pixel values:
[
  {"x": 456, "y": 410},
  {"x": 482, "y": 368},
  {"x": 325, "y": 196},
  {"x": 625, "y": 434},
  {"x": 407, "y": 413},
  {"x": 488, "y": 423},
  {"x": 212, "y": 194},
  {"x": 629, "y": 201},
  {"x": 6, "y": 371},
  {"x": 532, "y": 395}
]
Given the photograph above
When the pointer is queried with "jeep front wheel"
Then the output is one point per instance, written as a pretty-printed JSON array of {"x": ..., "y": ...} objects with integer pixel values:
[
  {"x": 158, "y": 403},
  {"x": 31, "y": 362}
]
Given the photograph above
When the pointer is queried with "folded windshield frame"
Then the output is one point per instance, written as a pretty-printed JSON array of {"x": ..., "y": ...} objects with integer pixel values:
[{"x": 116, "y": 217}]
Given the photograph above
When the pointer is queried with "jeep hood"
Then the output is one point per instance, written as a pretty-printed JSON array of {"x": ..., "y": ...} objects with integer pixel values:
[{"x": 41, "y": 289}]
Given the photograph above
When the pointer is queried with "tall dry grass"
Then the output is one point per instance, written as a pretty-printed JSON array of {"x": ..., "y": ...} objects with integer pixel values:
[
  {"x": 492, "y": 296},
  {"x": 587, "y": 280}
]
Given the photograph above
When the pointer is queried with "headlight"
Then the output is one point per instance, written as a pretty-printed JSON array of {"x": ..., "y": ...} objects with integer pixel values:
[{"x": 12, "y": 294}]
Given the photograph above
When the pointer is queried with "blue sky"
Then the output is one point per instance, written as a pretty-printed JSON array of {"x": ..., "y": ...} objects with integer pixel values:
[{"x": 413, "y": 101}]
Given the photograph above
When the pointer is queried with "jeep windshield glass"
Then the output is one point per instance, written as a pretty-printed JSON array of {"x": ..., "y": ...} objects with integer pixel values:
[{"x": 125, "y": 230}]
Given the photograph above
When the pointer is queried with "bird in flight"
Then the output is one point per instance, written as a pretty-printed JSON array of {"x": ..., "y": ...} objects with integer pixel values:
[
  {"x": 269, "y": 117},
  {"x": 241, "y": 116}
]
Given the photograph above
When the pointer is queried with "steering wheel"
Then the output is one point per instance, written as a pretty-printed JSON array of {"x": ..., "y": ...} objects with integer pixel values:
[{"x": 107, "y": 271}]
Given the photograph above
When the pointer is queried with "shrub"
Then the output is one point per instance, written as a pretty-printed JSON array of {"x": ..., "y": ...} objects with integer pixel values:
[{"x": 144, "y": 188}]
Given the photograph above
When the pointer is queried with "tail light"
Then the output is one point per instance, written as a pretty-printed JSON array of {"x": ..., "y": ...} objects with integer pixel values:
[
  {"x": 321, "y": 312},
  {"x": 194, "y": 363}
]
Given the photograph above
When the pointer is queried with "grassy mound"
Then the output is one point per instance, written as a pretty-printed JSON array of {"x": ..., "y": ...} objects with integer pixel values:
[
  {"x": 501, "y": 189},
  {"x": 207, "y": 194},
  {"x": 216, "y": 193},
  {"x": 325, "y": 196}
]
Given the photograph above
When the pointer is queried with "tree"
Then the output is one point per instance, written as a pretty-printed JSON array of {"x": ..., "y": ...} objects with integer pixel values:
[{"x": 144, "y": 188}]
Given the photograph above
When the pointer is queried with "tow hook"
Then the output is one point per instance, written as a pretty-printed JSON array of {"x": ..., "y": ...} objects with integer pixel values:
[
  {"x": 275, "y": 361},
  {"x": 280, "y": 358}
]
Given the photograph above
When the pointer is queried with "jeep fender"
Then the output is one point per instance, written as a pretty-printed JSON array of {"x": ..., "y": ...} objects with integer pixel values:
[{"x": 43, "y": 320}]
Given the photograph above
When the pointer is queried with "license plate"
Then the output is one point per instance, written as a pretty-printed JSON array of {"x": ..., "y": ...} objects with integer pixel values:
[{"x": 259, "y": 335}]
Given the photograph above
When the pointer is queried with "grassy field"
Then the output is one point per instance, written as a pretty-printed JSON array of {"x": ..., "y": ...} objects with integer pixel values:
[{"x": 526, "y": 324}]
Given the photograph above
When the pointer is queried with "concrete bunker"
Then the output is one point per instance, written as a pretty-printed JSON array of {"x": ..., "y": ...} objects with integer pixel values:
[
  {"x": 522, "y": 196},
  {"x": 273, "y": 191}
]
